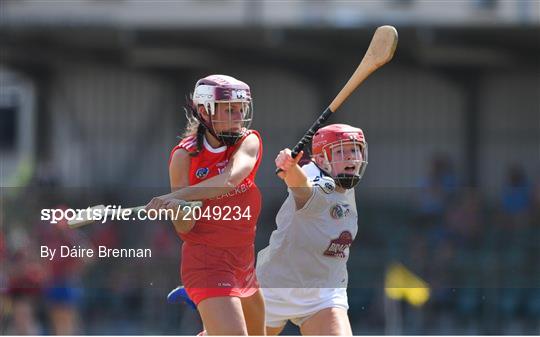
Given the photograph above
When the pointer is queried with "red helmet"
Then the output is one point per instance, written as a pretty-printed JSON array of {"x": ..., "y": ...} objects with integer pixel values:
[
  {"x": 222, "y": 89},
  {"x": 328, "y": 143}
]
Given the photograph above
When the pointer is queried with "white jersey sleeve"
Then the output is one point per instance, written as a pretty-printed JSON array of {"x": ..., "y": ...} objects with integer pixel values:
[{"x": 318, "y": 202}]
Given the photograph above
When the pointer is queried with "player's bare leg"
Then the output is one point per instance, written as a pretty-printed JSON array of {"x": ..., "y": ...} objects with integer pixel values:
[
  {"x": 329, "y": 321},
  {"x": 253, "y": 308},
  {"x": 274, "y": 331},
  {"x": 223, "y": 316}
]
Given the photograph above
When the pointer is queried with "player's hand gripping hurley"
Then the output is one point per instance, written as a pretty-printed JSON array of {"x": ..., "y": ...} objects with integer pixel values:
[{"x": 380, "y": 51}]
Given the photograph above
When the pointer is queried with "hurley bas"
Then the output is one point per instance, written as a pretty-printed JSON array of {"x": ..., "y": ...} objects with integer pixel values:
[{"x": 102, "y": 252}]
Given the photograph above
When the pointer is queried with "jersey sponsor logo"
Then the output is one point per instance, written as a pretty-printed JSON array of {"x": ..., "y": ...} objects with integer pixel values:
[
  {"x": 339, "y": 211},
  {"x": 202, "y": 172},
  {"x": 337, "y": 247},
  {"x": 242, "y": 188}
]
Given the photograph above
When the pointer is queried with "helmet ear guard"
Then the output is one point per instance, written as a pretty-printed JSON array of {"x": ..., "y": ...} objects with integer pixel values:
[{"x": 204, "y": 95}]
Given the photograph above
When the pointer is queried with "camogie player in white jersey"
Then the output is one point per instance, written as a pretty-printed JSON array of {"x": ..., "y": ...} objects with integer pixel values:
[{"x": 303, "y": 271}]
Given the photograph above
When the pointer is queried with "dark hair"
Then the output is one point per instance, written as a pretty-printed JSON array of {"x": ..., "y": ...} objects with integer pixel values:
[{"x": 193, "y": 127}]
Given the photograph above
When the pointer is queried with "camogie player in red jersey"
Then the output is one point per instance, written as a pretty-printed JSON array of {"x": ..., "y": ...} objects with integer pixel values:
[{"x": 216, "y": 162}]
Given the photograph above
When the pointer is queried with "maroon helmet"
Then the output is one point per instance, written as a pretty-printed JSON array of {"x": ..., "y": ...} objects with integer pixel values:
[{"x": 214, "y": 89}]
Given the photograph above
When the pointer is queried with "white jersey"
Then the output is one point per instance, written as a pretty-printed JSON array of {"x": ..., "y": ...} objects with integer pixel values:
[{"x": 310, "y": 247}]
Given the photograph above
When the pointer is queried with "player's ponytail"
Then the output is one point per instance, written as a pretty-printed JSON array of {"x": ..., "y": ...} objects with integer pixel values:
[
  {"x": 193, "y": 128},
  {"x": 200, "y": 139}
]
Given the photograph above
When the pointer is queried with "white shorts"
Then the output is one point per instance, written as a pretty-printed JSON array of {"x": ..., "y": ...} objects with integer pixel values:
[{"x": 299, "y": 304}]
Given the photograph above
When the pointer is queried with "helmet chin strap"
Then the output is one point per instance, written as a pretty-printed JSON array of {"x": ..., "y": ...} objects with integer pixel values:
[{"x": 346, "y": 180}]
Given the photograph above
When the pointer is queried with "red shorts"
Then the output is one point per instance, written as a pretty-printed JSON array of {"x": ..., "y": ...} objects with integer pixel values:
[{"x": 208, "y": 271}]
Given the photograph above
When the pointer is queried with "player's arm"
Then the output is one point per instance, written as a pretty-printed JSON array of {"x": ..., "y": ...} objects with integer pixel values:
[
  {"x": 295, "y": 178},
  {"x": 179, "y": 178},
  {"x": 239, "y": 167}
]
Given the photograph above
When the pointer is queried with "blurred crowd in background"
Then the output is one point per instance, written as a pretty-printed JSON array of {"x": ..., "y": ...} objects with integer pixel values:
[{"x": 479, "y": 258}]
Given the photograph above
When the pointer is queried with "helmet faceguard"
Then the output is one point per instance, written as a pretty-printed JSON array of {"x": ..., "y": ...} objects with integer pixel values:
[
  {"x": 343, "y": 152},
  {"x": 345, "y": 161},
  {"x": 236, "y": 95}
]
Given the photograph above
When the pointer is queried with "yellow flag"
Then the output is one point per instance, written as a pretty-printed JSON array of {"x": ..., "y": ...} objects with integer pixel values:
[{"x": 402, "y": 284}]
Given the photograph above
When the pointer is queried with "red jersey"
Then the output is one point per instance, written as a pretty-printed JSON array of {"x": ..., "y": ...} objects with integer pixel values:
[{"x": 239, "y": 209}]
